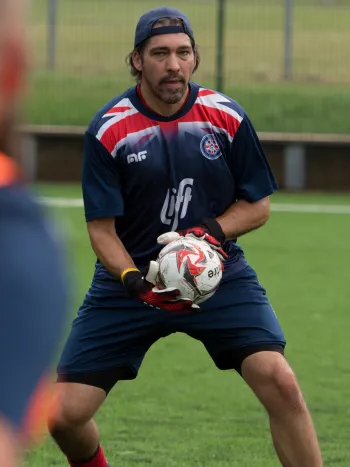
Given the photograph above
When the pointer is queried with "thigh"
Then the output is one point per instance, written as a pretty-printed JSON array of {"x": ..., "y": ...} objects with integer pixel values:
[
  {"x": 109, "y": 338},
  {"x": 236, "y": 322}
]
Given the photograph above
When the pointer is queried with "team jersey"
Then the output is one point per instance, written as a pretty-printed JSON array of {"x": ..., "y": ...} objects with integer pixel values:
[{"x": 154, "y": 174}]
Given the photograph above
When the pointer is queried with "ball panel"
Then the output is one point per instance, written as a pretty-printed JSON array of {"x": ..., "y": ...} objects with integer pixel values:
[{"x": 191, "y": 266}]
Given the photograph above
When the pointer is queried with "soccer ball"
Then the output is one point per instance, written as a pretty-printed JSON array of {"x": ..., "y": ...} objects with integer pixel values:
[{"x": 191, "y": 266}]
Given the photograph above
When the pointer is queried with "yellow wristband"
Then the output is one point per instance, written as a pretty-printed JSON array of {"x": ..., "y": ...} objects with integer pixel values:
[{"x": 126, "y": 271}]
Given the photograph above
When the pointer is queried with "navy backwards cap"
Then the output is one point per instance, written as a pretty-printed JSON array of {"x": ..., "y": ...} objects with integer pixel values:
[{"x": 144, "y": 28}]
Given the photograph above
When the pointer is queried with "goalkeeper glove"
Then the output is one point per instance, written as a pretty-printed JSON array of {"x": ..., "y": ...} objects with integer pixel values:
[
  {"x": 143, "y": 288},
  {"x": 211, "y": 232}
]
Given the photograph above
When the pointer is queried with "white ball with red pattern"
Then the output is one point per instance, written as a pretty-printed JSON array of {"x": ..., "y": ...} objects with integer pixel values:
[{"x": 191, "y": 266}]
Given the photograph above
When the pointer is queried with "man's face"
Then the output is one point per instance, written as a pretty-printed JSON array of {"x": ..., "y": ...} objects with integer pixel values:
[{"x": 167, "y": 65}]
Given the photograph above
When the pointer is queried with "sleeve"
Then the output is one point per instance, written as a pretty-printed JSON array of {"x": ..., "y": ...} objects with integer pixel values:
[
  {"x": 100, "y": 181},
  {"x": 253, "y": 176}
]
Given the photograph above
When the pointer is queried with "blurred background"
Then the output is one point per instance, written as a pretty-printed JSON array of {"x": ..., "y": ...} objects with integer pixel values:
[{"x": 287, "y": 62}]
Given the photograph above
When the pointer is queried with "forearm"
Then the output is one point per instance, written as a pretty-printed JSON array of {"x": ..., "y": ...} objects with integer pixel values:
[
  {"x": 243, "y": 217},
  {"x": 111, "y": 252}
]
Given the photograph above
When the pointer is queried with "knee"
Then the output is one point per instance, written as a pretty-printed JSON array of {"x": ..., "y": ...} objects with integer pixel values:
[
  {"x": 274, "y": 382},
  {"x": 285, "y": 382},
  {"x": 282, "y": 391},
  {"x": 65, "y": 418}
]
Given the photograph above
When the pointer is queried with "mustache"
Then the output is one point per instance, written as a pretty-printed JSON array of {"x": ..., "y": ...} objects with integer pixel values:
[{"x": 168, "y": 78}]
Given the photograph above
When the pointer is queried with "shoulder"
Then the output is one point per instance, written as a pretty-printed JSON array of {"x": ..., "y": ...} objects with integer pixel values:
[
  {"x": 221, "y": 110},
  {"x": 108, "y": 124},
  {"x": 9, "y": 171},
  {"x": 19, "y": 207},
  {"x": 218, "y": 100},
  {"x": 118, "y": 106}
]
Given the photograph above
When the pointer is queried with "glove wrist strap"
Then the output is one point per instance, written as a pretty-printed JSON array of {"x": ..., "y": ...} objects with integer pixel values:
[
  {"x": 214, "y": 229},
  {"x": 123, "y": 274},
  {"x": 134, "y": 283}
]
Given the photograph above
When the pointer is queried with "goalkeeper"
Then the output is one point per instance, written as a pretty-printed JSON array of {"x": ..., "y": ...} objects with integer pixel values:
[{"x": 171, "y": 155}]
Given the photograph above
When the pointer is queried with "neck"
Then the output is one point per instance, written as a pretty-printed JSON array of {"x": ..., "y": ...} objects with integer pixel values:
[{"x": 160, "y": 107}]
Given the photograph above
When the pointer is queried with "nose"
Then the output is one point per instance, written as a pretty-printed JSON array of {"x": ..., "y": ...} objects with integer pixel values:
[{"x": 173, "y": 63}]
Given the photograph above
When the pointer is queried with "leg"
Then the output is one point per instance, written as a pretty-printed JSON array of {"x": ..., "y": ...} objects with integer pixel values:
[
  {"x": 238, "y": 328},
  {"x": 274, "y": 383},
  {"x": 71, "y": 424},
  {"x": 107, "y": 343}
]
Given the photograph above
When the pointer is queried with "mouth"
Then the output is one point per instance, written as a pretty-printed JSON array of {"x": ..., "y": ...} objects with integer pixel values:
[{"x": 173, "y": 83}]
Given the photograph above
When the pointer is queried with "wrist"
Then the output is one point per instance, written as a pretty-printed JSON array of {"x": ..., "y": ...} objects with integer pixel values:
[
  {"x": 133, "y": 282},
  {"x": 214, "y": 229},
  {"x": 126, "y": 271}
]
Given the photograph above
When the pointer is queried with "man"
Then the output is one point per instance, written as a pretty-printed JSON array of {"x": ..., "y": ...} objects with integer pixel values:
[
  {"x": 169, "y": 155},
  {"x": 32, "y": 295}
]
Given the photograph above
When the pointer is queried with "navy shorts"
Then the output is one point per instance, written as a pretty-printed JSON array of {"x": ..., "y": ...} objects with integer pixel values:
[{"x": 112, "y": 332}]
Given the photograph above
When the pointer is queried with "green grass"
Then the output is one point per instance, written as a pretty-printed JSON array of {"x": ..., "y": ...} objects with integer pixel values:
[
  {"x": 73, "y": 100},
  {"x": 182, "y": 411},
  {"x": 94, "y": 37}
]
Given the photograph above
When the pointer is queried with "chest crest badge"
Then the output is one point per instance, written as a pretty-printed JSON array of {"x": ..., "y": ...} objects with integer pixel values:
[{"x": 210, "y": 147}]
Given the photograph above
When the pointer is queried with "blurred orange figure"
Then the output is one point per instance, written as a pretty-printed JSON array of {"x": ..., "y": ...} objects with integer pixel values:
[{"x": 32, "y": 285}]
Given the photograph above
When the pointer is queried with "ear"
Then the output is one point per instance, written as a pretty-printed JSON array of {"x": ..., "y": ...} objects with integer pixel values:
[{"x": 137, "y": 60}]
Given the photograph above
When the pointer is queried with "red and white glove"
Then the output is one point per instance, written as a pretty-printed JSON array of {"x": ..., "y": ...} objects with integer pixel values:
[
  {"x": 143, "y": 288},
  {"x": 209, "y": 231}
]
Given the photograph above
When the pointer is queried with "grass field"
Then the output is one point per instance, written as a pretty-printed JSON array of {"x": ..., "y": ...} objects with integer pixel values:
[
  {"x": 182, "y": 411},
  {"x": 70, "y": 100},
  {"x": 93, "y": 39}
]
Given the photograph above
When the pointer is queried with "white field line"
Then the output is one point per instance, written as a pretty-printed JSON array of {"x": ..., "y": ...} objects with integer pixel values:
[
  {"x": 311, "y": 208},
  {"x": 61, "y": 202},
  {"x": 277, "y": 207}
]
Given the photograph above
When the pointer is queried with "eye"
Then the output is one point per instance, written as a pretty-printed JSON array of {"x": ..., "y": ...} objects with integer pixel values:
[
  {"x": 185, "y": 53},
  {"x": 159, "y": 53}
]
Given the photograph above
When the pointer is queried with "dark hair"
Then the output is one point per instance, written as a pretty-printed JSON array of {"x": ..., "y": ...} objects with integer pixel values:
[{"x": 140, "y": 48}]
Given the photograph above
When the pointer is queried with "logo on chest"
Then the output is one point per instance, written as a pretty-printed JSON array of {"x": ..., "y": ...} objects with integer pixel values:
[
  {"x": 210, "y": 147},
  {"x": 176, "y": 203},
  {"x": 140, "y": 156}
]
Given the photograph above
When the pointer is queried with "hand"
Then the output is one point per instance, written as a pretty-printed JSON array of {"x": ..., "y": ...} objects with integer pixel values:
[
  {"x": 210, "y": 232},
  {"x": 145, "y": 290}
]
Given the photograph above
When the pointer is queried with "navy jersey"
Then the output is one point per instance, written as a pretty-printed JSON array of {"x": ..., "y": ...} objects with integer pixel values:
[{"x": 154, "y": 174}]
